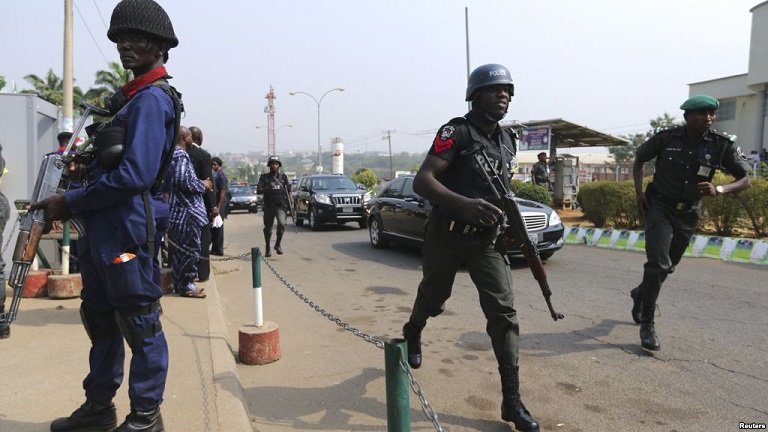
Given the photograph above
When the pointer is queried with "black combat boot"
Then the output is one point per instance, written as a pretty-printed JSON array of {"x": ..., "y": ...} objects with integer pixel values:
[
  {"x": 512, "y": 408},
  {"x": 637, "y": 305},
  {"x": 412, "y": 335},
  {"x": 279, "y": 249},
  {"x": 137, "y": 421},
  {"x": 267, "y": 239},
  {"x": 92, "y": 416},
  {"x": 648, "y": 338}
]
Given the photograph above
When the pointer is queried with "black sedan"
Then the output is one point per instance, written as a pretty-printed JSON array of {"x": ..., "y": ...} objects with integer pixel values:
[
  {"x": 398, "y": 214},
  {"x": 243, "y": 197}
]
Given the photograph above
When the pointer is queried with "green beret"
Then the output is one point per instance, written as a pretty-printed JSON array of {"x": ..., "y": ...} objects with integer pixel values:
[{"x": 700, "y": 102}]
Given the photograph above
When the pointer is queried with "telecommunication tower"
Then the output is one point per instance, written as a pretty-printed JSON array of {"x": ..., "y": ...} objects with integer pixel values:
[{"x": 270, "y": 110}]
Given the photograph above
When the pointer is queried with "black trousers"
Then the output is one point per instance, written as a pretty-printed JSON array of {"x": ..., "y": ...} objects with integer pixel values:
[
  {"x": 203, "y": 265},
  {"x": 217, "y": 241}
]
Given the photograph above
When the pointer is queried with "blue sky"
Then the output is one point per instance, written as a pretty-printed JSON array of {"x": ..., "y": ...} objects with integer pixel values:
[{"x": 607, "y": 64}]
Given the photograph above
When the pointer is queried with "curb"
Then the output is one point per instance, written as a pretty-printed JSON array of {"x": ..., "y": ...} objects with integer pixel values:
[{"x": 230, "y": 398}]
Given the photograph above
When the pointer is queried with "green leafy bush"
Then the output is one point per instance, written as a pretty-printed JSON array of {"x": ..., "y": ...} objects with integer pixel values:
[
  {"x": 723, "y": 211},
  {"x": 754, "y": 201},
  {"x": 531, "y": 192},
  {"x": 609, "y": 204}
]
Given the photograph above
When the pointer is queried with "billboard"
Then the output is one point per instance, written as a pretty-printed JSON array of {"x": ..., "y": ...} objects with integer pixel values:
[{"x": 536, "y": 138}]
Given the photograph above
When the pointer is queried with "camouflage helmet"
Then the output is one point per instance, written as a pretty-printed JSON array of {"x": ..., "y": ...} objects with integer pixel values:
[
  {"x": 488, "y": 75},
  {"x": 142, "y": 16},
  {"x": 274, "y": 158}
]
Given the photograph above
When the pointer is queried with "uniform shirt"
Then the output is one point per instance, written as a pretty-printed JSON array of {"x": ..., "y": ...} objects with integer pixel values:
[
  {"x": 186, "y": 201},
  {"x": 677, "y": 162},
  {"x": 540, "y": 173},
  {"x": 454, "y": 143},
  {"x": 112, "y": 203},
  {"x": 274, "y": 190}
]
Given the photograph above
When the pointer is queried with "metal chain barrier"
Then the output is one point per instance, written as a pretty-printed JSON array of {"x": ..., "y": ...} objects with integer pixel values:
[
  {"x": 179, "y": 248},
  {"x": 429, "y": 412}
]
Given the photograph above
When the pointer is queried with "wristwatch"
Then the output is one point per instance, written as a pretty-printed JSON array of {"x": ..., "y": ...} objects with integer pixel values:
[{"x": 719, "y": 189}]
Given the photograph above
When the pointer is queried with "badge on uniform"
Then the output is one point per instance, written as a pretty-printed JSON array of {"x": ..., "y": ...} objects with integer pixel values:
[
  {"x": 741, "y": 153},
  {"x": 443, "y": 140}
]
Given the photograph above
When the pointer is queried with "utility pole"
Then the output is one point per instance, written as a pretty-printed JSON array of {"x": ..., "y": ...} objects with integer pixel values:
[
  {"x": 270, "y": 110},
  {"x": 67, "y": 120},
  {"x": 388, "y": 137}
]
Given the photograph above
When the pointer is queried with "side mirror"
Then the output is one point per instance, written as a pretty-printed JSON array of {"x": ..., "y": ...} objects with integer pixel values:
[{"x": 361, "y": 186}]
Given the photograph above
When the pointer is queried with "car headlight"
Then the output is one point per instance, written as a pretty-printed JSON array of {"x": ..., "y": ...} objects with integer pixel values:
[
  {"x": 366, "y": 197},
  {"x": 322, "y": 199},
  {"x": 554, "y": 219}
]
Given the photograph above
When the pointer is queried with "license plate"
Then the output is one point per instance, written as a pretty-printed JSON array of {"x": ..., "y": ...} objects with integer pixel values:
[
  {"x": 534, "y": 238},
  {"x": 346, "y": 209}
]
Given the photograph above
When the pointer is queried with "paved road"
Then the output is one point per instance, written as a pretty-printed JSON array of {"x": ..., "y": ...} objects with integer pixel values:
[{"x": 585, "y": 373}]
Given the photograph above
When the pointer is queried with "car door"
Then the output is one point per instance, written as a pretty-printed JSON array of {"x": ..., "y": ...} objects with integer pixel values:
[
  {"x": 390, "y": 205},
  {"x": 301, "y": 200},
  {"x": 414, "y": 211}
]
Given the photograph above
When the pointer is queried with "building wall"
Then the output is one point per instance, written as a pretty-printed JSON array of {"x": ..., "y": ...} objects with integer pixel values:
[{"x": 740, "y": 95}]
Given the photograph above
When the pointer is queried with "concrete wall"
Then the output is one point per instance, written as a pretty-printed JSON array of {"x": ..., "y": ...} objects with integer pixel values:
[{"x": 758, "y": 47}]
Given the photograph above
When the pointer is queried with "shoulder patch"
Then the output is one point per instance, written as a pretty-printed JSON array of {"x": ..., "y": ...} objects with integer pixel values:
[
  {"x": 741, "y": 153},
  {"x": 444, "y": 139}
]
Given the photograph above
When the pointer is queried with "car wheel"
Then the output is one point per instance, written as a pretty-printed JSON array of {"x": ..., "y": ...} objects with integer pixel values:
[
  {"x": 313, "y": 225},
  {"x": 374, "y": 233},
  {"x": 299, "y": 221},
  {"x": 546, "y": 255}
]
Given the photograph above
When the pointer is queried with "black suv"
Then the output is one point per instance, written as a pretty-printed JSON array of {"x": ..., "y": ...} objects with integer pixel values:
[{"x": 329, "y": 198}]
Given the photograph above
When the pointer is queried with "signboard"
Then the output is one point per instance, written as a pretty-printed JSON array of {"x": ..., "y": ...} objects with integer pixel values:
[{"x": 536, "y": 138}]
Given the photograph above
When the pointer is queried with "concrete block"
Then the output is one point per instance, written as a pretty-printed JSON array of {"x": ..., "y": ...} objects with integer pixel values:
[
  {"x": 259, "y": 345},
  {"x": 64, "y": 286},
  {"x": 36, "y": 284}
]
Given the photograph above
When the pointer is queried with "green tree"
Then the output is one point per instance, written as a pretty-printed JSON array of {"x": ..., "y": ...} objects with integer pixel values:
[
  {"x": 51, "y": 88},
  {"x": 108, "y": 82},
  {"x": 2, "y": 82},
  {"x": 366, "y": 177}
]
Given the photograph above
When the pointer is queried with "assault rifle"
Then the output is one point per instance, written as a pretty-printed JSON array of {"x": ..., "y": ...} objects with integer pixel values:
[
  {"x": 515, "y": 229},
  {"x": 50, "y": 181},
  {"x": 291, "y": 209}
]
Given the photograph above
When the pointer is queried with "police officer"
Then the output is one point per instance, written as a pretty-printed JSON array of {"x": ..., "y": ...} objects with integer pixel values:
[
  {"x": 463, "y": 225},
  {"x": 686, "y": 159},
  {"x": 540, "y": 171},
  {"x": 5, "y": 213},
  {"x": 276, "y": 189},
  {"x": 120, "y": 299}
]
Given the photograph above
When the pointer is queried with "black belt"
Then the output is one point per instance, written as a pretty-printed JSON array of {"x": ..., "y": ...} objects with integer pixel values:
[
  {"x": 678, "y": 204},
  {"x": 464, "y": 228}
]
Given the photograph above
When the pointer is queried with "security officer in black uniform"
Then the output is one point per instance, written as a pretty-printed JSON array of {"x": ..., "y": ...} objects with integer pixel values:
[
  {"x": 686, "y": 160},
  {"x": 276, "y": 189},
  {"x": 463, "y": 225}
]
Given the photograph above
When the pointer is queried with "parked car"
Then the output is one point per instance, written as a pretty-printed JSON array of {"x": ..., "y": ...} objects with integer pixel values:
[
  {"x": 329, "y": 198},
  {"x": 399, "y": 214},
  {"x": 243, "y": 197},
  {"x": 259, "y": 197}
]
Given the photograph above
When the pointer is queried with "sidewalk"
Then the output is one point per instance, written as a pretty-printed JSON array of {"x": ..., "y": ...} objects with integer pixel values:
[{"x": 46, "y": 358}]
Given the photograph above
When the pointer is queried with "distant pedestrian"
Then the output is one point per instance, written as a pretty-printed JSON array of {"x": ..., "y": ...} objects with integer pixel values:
[
  {"x": 686, "y": 159},
  {"x": 276, "y": 189},
  {"x": 221, "y": 183}
]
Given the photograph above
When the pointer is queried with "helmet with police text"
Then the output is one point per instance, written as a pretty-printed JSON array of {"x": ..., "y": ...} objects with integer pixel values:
[
  {"x": 142, "y": 16},
  {"x": 488, "y": 75},
  {"x": 272, "y": 159}
]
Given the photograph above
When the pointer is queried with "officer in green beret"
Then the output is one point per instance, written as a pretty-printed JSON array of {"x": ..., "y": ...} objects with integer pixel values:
[{"x": 686, "y": 160}]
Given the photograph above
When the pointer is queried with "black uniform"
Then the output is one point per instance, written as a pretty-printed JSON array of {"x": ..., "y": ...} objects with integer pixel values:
[
  {"x": 451, "y": 242},
  {"x": 201, "y": 161},
  {"x": 674, "y": 200},
  {"x": 276, "y": 190}
]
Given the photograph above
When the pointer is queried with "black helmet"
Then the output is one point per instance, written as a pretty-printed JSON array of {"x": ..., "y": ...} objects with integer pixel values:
[
  {"x": 274, "y": 158},
  {"x": 143, "y": 16},
  {"x": 488, "y": 75}
]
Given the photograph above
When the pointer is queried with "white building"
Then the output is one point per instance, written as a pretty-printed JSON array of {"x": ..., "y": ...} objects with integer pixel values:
[{"x": 743, "y": 97}]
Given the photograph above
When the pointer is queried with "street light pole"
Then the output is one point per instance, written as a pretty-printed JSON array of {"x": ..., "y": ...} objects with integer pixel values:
[{"x": 318, "y": 102}]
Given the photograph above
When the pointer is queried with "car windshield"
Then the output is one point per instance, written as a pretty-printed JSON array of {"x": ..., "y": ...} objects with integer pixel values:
[
  {"x": 330, "y": 183},
  {"x": 239, "y": 190}
]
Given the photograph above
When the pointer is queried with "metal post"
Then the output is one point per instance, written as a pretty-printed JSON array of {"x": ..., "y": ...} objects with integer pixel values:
[
  {"x": 258, "y": 317},
  {"x": 398, "y": 406}
]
